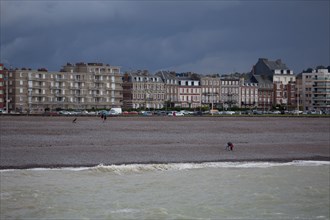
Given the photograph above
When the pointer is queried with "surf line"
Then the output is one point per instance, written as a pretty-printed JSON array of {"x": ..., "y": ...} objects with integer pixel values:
[{"x": 177, "y": 166}]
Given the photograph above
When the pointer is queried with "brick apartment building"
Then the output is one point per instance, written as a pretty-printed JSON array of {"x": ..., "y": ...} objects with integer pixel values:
[{"x": 276, "y": 84}]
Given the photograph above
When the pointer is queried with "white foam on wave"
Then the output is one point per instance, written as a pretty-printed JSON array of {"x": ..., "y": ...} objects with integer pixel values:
[{"x": 140, "y": 168}]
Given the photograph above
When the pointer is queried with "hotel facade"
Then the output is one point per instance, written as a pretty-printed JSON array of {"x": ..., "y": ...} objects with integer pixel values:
[
  {"x": 314, "y": 90},
  {"x": 143, "y": 90},
  {"x": 94, "y": 86},
  {"x": 80, "y": 86}
]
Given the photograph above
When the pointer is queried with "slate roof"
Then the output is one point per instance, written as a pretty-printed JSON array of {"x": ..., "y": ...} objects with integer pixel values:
[
  {"x": 274, "y": 65},
  {"x": 165, "y": 75},
  {"x": 261, "y": 79}
]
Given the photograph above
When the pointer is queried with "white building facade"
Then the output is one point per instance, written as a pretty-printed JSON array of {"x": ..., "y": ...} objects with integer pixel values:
[
  {"x": 189, "y": 92},
  {"x": 315, "y": 90}
]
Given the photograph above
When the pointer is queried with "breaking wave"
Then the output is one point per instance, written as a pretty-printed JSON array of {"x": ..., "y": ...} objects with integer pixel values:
[{"x": 140, "y": 168}]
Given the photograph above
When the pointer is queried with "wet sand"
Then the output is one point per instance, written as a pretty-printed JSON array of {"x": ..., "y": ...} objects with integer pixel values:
[{"x": 28, "y": 142}]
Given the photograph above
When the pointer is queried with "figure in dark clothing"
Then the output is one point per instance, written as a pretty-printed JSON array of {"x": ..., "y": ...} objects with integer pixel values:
[
  {"x": 104, "y": 117},
  {"x": 230, "y": 146}
]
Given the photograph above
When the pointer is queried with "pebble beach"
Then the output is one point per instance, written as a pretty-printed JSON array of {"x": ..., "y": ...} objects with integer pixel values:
[{"x": 40, "y": 141}]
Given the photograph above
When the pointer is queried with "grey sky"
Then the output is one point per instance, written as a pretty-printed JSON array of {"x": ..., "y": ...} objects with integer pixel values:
[{"x": 200, "y": 36}]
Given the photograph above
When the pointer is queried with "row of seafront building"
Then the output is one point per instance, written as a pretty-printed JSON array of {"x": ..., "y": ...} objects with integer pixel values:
[{"x": 101, "y": 86}]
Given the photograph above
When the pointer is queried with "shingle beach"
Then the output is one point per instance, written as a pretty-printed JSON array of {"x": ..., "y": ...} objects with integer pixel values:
[{"x": 35, "y": 141}]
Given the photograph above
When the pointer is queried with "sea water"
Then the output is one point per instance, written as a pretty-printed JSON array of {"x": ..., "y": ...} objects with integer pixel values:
[{"x": 295, "y": 190}]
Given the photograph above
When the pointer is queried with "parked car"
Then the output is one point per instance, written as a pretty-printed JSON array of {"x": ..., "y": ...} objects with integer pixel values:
[
  {"x": 297, "y": 112},
  {"x": 130, "y": 113},
  {"x": 179, "y": 114},
  {"x": 161, "y": 113},
  {"x": 115, "y": 111},
  {"x": 256, "y": 112},
  {"x": 185, "y": 112},
  {"x": 247, "y": 112},
  {"x": 103, "y": 112},
  {"x": 146, "y": 113},
  {"x": 2, "y": 111},
  {"x": 175, "y": 113},
  {"x": 198, "y": 113},
  {"x": 326, "y": 112},
  {"x": 229, "y": 112},
  {"x": 214, "y": 112},
  {"x": 48, "y": 113},
  {"x": 276, "y": 112},
  {"x": 92, "y": 113},
  {"x": 65, "y": 113},
  {"x": 314, "y": 112}
]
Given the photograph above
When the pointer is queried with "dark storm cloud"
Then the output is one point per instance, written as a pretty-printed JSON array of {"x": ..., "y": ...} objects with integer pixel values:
[{"x": 200, "y": 36}]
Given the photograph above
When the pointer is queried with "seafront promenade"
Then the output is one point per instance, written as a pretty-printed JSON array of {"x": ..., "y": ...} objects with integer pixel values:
[{"x": 30, "y": 141}]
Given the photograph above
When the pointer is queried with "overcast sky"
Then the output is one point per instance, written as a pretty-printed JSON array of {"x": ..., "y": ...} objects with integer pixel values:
[{"x": 199, "y": 36}]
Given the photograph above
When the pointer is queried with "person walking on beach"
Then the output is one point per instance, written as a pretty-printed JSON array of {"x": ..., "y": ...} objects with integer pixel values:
[
  {"x": 104, "y": 117},
  {"x": 230, "y": 146}
]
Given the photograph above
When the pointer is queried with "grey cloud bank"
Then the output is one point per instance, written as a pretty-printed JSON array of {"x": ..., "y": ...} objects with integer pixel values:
[{"x": 199, "y": 36}]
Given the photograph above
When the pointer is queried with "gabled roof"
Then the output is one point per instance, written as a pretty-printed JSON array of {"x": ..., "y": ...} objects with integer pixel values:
[
  {"x": 261, "y": 79},
  {"x": 274, "y": 65},
  {"x": 166, "y": 75}
]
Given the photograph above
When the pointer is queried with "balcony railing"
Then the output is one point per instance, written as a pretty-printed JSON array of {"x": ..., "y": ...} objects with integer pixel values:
[
  {"x": 37, "y": 94},
  {"x": 56, "y": 86},
  {"x": 79, "y": 95},
  {"x": 58, "y": 95},
  {"x": 37, "y": 86}
]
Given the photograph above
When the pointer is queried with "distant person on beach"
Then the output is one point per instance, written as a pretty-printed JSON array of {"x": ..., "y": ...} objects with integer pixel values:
[
  {"x": 230, "y": 146},
  {"x": 104, "y": 117}
]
